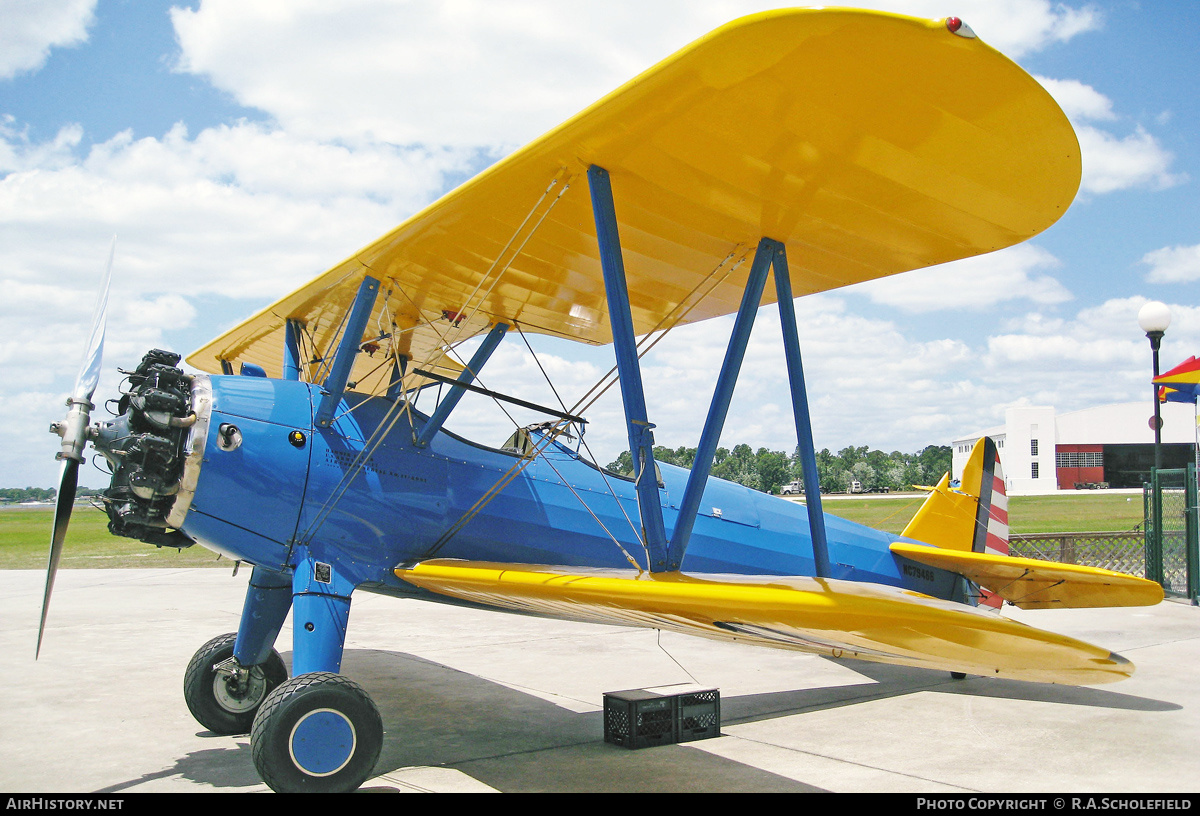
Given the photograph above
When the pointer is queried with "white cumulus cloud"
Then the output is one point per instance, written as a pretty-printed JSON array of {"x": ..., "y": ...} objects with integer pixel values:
[
  {"x": 977, "y": 283},
  {"x": 241, "y": 213},
  {"x": 481, "y": 73},
  {"x": 30, "y": 28},
  {"x": 1078, "y": 100},
  {"x": 1177, "y": 264},
  {"x": 1112, "y": 163}
]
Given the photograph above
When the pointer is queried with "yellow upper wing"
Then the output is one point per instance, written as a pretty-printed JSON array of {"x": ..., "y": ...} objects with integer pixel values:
[
  {"x": 836, "y": 618},
  {"x": 869, "y": 143}
]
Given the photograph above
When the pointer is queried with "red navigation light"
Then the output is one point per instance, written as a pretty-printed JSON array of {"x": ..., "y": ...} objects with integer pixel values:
[{"x": 955, "y": 25}]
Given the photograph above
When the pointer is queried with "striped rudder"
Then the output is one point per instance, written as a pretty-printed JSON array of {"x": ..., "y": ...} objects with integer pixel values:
[
  {"x": 991, "y": 514},
  {"x": 972, "y": 517}
]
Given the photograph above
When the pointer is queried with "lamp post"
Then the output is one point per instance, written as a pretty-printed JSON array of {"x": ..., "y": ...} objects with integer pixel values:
[{"x": 1154, "y": 317}]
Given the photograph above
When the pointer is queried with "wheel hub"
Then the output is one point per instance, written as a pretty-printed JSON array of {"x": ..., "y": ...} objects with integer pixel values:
[
  {"x": 236, "y": 688},
  {"x": 322, "y": 742}
]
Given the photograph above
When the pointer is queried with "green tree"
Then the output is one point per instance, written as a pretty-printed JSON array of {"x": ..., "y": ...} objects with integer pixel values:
[
  {"x": 739, "y": 466},
  {"x": 774, "y": 469},
  {"x": 769, "y": 470},
  {"x": 933, "y": 462},
  {"x": 623, "y": 464}
]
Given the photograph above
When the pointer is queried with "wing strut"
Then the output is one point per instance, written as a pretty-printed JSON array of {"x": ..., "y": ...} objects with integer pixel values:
[
  {"x": 291, "y": 349},
  {"x": 770, "y": 253},
  {"x": 399, "y": 367},
  {"x": 719, "y": 407},
  {"x": 343, "y": 361},
  {"x": 804, "y": 437},
  {"x": 442, "y": 413},
  {"x": 668, "y": 555},
  {"x": 641, "y": 435}
]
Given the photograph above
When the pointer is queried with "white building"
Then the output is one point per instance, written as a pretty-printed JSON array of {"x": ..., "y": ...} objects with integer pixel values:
[{"x": 1042, "y": 451}]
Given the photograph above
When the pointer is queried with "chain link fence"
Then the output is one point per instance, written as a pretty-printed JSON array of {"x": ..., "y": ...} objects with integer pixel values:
[
  {"x": 1120, "y": 552},
  {"x": 1172, "y": 531}
]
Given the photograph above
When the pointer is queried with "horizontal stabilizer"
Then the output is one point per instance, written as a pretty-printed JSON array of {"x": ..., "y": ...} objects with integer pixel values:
[
  {"x": 822, "y": 616},
  {"x": 1034, "y": 584}
]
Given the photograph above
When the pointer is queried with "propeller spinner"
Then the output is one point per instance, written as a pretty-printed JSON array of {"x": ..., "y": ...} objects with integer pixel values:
[{"x": 74, "y": 433}]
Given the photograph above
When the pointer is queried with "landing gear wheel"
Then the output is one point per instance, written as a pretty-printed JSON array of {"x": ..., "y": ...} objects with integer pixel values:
[
  {"x": 958, "y": 675},
  {"x": 316, "y": 733},
  {"x": 222, "y": 694}
]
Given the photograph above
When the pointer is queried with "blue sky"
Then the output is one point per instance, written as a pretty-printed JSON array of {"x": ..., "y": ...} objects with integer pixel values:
[{"x": 236, "y": 149}]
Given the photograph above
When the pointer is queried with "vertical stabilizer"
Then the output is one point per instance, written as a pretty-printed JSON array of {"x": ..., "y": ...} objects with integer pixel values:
[
  {"x": 972, "y": 517},
  {"x": 984, "y": 477}
]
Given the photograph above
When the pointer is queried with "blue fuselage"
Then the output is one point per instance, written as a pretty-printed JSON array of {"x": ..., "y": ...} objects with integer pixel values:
[{"x": 365, "y": 514}]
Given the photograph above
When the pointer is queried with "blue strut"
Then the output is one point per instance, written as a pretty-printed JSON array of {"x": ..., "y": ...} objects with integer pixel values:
[
  {"x": 343, "y": 361},
  {"x": 320, "y": 614},
  {"x": 641, "y": 436},
  {"x": 466, "y": 377},
  {"x": 268, "y": 601},
  {"x": 719, "y": 408},
  {"x": 804, "y": 437},
  {"x": 291, "y": 349}
]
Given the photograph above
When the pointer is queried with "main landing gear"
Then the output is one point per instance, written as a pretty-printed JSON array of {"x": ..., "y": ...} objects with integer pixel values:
[{"x": 318, "y": 732}]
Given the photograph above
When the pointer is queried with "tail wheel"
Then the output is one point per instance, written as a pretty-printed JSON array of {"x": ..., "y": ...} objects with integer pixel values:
[
  {"x": 222, "y": 694},
  {"x": 317, "y": 733}
]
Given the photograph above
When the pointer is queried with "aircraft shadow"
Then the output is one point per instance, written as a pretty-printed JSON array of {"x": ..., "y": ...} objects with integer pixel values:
[
  {"x": 517, "y": 742},
  {"x": 889, "y": 681},
  {"x": 224, "y": 768},
  {"x": 438, "y": 716}
]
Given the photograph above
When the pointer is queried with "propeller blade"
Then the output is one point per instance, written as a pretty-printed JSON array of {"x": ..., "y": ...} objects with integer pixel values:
[
  {"x": 89, "y": 372},
  {"x": 67, "y": 485},
  {"x": 74, "y": 431}
]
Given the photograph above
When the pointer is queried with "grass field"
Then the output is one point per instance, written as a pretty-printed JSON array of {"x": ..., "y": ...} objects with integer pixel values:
[
  {"x": 25, "y": 543},
  {"x": 25, "y": 532},
  {"x": 1089, "y": 513}
]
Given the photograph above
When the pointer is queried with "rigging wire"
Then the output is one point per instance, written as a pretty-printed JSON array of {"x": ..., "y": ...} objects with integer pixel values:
[
  {"x": 584, "y": 402},
  {"x": 448, "y": 347},
  {"x": 356, "y": 466},
  {"x": 583, "y": 441},
  {"x": 658, "y": 640},
  {"x": 678, "y": 316},
  {"x": 562, "y": 177}
]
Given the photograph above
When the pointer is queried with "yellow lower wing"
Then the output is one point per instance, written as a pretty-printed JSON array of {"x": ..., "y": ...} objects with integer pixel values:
[
  {"x": 1033, "y": 584},
  {"x": 829, "y": 617}
]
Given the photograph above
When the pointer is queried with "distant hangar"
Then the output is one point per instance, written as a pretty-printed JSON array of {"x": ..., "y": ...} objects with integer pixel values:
[{"x": 1110, "y": 446}]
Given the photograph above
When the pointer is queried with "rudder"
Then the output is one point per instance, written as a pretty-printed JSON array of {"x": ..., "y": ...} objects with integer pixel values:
[{"x": 972, "y": 517}]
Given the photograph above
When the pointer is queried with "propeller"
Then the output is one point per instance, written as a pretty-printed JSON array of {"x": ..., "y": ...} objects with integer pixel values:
[{"x": 74, "y": 433}]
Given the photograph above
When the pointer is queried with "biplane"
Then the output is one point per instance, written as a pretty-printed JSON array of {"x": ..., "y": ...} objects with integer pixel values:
[{"x": 817, "y": 148}]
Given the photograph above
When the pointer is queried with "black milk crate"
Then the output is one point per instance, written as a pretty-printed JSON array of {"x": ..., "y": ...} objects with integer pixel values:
[
  {"x": 639, "y": 718},
  {"x": 699, "y": 714}
]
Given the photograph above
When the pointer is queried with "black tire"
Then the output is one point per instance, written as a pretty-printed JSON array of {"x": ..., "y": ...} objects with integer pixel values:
[
  {"x": 217, "y": 700},
  {"x": 317, "y": 733}
]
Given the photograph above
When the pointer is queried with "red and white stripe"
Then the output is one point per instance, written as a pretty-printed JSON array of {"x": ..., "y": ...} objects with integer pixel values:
[
  {"x": 996, "y": 542},
  {"x": 997, "y": 525}
]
